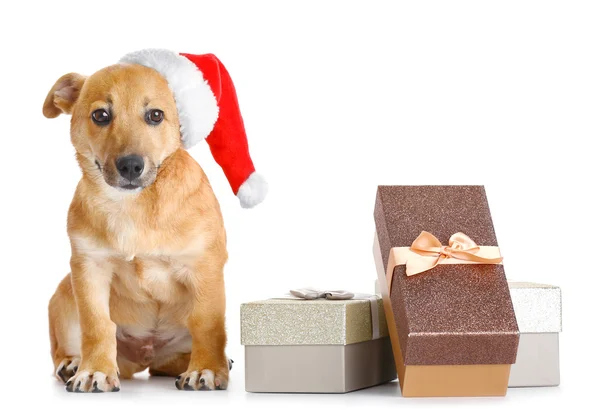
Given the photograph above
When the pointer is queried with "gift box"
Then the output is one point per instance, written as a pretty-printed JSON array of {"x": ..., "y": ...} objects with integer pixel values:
[
  {"x": 539, "y": 315},
  {"x": 448, "y": 308},
  {"x": 295, "y": 345},
  {"x": 538, "y": 309}
]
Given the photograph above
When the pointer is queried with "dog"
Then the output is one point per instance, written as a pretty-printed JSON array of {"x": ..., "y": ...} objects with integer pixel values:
[{"x": 148, "y": 244}]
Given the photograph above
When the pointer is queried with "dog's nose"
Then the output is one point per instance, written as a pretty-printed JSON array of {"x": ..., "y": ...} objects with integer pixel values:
[{"x": 130, "y": 167}]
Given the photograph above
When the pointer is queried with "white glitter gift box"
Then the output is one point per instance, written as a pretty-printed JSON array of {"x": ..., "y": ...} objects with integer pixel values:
[
  {"x": 538, "y": 310},
  {"x": 539, "y": 315},
  {"x": 315, "y": 345}
]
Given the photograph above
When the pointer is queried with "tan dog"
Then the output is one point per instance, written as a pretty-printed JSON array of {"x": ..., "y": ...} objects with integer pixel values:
[{"x": 148, "y": 244}]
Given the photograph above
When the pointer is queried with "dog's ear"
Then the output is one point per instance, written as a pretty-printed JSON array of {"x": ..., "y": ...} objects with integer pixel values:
[{"x": 63, "y": 95}]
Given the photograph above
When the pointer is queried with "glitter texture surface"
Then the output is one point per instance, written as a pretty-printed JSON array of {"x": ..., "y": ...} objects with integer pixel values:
[
  {"x": 308, "y": 322},
  {"x": 452, "y": 314},
  {"x": 402, "y": 212},
  {"x": 538, "y": 307}
]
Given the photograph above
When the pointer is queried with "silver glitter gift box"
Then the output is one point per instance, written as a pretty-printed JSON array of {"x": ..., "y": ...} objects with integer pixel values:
[
  {"x": 538, "y": 310},
  {"x": 315, "y": 346},
  {"x": 539, "y": 315}
]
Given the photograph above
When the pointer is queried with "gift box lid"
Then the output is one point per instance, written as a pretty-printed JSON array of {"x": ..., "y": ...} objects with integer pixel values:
[
  {"x": 455, "y": 314},
  {"x": 309, "y": 322},
  {"x": 538, "y": 307}
]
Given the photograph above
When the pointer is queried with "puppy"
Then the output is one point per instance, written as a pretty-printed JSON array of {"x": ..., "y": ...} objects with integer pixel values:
[{"x": 148, "y": 243}]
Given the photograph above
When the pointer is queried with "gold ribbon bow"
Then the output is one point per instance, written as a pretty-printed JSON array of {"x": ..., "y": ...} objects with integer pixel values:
[{"x": 427, "y": 252}]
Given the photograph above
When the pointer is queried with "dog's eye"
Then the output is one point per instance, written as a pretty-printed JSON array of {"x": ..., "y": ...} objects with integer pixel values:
[
  {"x": 101, "y": 117},
  {"x": 154, "y": 116}
]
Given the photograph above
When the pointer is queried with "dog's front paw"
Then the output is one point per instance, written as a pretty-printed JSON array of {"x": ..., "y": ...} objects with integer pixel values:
[
  {"x": 90, "y": 381},
  {"x": 205, "y": 379}
]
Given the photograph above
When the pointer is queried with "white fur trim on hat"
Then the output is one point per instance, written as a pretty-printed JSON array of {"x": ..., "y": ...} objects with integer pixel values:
[
  {"x": 196, "y": 103},
  {"x": 253, "y": 191}
]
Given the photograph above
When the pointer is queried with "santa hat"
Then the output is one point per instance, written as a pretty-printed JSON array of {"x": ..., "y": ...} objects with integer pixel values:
[{"x": 208, "y": 109}]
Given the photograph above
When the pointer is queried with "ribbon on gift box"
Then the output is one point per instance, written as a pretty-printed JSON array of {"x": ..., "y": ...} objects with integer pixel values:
[
  {"x": 313, "y": 294},
  {"x": 426, "y": 252}
]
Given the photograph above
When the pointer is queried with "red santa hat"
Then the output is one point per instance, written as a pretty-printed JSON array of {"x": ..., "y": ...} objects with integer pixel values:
[{"x": 208, "y": 109}]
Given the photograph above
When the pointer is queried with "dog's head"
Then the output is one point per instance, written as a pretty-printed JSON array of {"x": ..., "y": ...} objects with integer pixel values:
[{"x": 124, "y": 123}]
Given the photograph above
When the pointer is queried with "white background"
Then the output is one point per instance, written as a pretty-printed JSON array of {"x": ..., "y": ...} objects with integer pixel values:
[{"x": 338, "y": 97}]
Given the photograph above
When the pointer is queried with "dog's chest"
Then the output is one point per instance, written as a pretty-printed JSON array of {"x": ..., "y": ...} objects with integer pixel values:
[
  {"x": 126, "y": 237},
  {"x": 150, "y": 305},
  {"x": 130, "y": 238},
  {"x": 151, "y": 279}
]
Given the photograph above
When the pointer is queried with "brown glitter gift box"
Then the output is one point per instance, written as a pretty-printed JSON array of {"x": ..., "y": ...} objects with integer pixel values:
[{"x": 453, "y": 327}]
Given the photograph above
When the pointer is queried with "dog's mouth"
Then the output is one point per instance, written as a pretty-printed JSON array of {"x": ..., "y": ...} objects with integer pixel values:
[
  {"x": 126, "y": 180},
  {"x": 130, "y": 187}
]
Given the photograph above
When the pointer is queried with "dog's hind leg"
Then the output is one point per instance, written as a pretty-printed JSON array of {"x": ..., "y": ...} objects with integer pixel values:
[
  {"x": 128, "y": 368},
  {"x": 171, "y": 366},
  {"x": 65, "y": 333}
]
